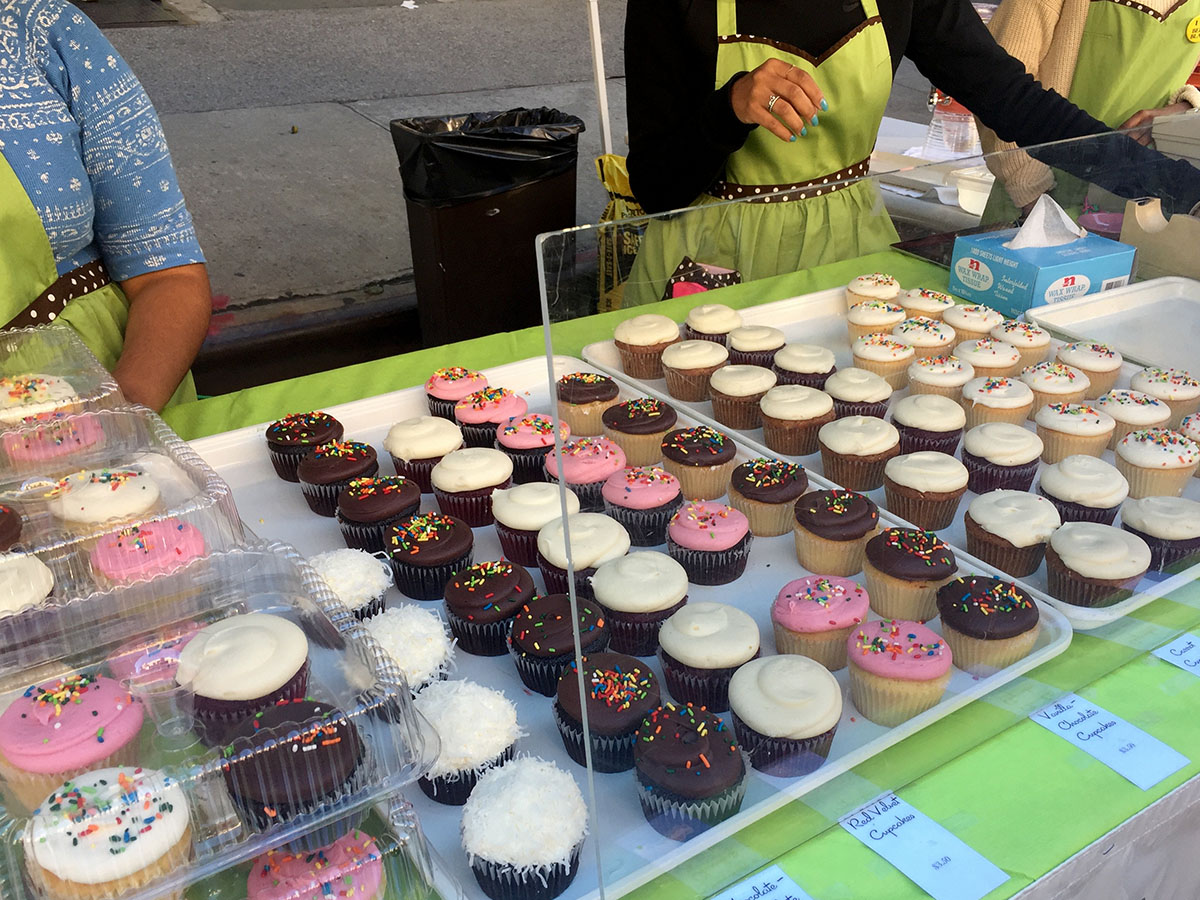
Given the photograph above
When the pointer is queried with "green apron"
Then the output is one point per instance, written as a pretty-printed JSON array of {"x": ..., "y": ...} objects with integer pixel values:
[
  {"x": 794, "y": 219},
  {"x": 1130, "y": 58},
  {"x": 27, "y": 269}
]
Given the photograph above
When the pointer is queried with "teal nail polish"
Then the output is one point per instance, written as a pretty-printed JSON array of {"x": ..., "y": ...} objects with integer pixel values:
[
  {"x": 792, "y": 138},
  {"x": 803, "y": 132},
  {"x": 814, "y": 121},
  {"x": 824, "y": 105}
]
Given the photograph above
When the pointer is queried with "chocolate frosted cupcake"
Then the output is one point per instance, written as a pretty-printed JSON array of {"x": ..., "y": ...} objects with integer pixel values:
[
  {"x": 521, "y": 511},
  {"x": 417, "y": 445},
  {"x": 904, "y": 569},
  {"x": 754, "y": 345},
  {"x": 710, "y": 540},
  {"x": 736, "y": 391},
  {"x": 702, "y": 458},
  {"x": 944, "y": 375},
  {"x": 582, "y": 399},
  {"x": 445, "y": 387},
  {"x": 688, "y": 365},
  {"x": 1009, "y": 530},
  {"x": 10, "y": 527},
  {"x": 289, "y": 439},
  {"x": 1084, "y": 489},
  {"x": 792, "y": 414},
  {"x": 806, "y": 364},
  {"x": 832, "y": 530},
  {"x": 925, "y": 488},
  {"x": 640, "y": 342},
  {"x": 928, "y": 422},
  {"x": 481, "y": 413},
  {"x": 328, "y": 470},
  {"x": 1170, "y": 526},
  {"x": 594, "y": 539},
  {"x": 766, "y": 491},
  {"x": 425, "y": 551},
  {"x": 464, "y": 480},
  {"x": 857, "y": 392},
  {"x": 638, "y": 593},
  {"x": 700, "y": 646},
  {"x": 988, "y": 623},
  {"x": 1093, "y": 565},
  {"x": 642, "y": 499},
  {"x": 526, "y": 441},
  {"x": 855, "y": 449},
  {"x": 638, "y": 427},
  {"x": 481, "y": 601},
  {"x": 585, "y": 465},
  {"x": 369, "y": 506},
  {"x": 542, "y": 638},
  {"x": 999, "y": 455},
  {"x": 711, "y": 322},
  {"x": 619, "y": 692}
]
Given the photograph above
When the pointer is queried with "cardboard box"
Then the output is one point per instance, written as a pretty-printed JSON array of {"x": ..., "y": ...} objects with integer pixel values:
[{"x": 983, "y": 270}]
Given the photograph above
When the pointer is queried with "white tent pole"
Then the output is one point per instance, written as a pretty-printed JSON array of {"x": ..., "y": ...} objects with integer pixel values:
[{"x": 598, "y": 74}]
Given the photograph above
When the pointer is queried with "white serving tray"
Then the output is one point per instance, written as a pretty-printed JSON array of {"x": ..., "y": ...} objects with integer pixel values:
[
  {"x": 820, "y": 318},
  {"x": 632, "y": 852},
  {"x": 1152, "y": 323}
]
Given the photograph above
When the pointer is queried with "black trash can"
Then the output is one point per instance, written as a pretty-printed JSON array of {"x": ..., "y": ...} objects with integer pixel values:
[{"x": 478, "y": 189}]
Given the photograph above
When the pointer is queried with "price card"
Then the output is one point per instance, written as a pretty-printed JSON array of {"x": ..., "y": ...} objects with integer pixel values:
[
  {"x": 1184, "y": 652},
  {"x": 939, "y": 863},
  {"x": 771, "y": 882},
  {"x": 1123, "y": 747}
]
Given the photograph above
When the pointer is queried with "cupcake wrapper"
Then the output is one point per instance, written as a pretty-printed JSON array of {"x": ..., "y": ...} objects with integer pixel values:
[
  {"x": 783, "y": 757},
  {"x": 1056, "y": 445},
  {"x": 441, "y": 408},
  {"x": 23, "y": 792},
  {"x": 519, "y": 546},
  {"x": 857, "y": 331},
  {"x": 529, "y": 466},
  {"x": 763, "y": 358},
  {"x": 741, "y": 413},
  {"x": 1009, "y": 371},
  {"x": 708, "y": 688},
  {"x": 610, "y": 753},
  {"x": 895, "y": 598},
  {"x": 481, "y": 435},
  {"x": 1041, "y": 398},
  {"x": 681, "y": 818},
  {"x": 322, "y": 498},
  {"x": 1067, "y": 586},
  {"x": 454, "y": 789},
  {"x": 370, "y": 608},
  {"x": 954, "y": 392},
  {"x": 473, "y": 507},
  {"x": 932, "y": 512},
  {"x": 1154, "y": 482},
  {"x": 1077, "y": 512},
  {"x": 636, "y": 634},
  {"x": 258, "y": 819},
  {"x": 887, "y": 701},
  {"x": 286, "y": 462},
  {"x": 504, "y": 882},
  {"x": 893, "y": 371},
  {"x": 208, "y": 709},
  {"x": 844, "y": 408},
  {"x": 643, "y": 363},
  {"x": 640, "y": 449},
  {"x": 541, "y": 673},
  {"x": 691, "y": 334},
  {"x": 712, "y": 566},
  {"x": 856, "y": 473},
  {"x": 479, "y": 638},
  {"x": 1166, "y": 554},
  {"x": 585, "y": 419},
  {"x": 977, "y": 413},
  {"x": 1100, "y": 383},
  {"x": 986, "y": 657},
  {"x": 808, "y": 379},
  {"x": 1181, "y": 409},
  {"x": 766, "y": 519},
  {"x": 427, "y": 582},
  {"x": 822, "y": 556},
  {"x": 369, "y": 536},
  {"x": 417, "y": 470},
  {"x": 326, "y": 834},
  {"x": 1031, "y": 356},
  {"x": 914, "y": 440},
  {"x": 690, "y": 387},
  {"x": 701, "y": 482},
  {"x": 591, "y": 494},
  {"x": 995, "y": 551},
  {"x": 826, "y": 647},
  {"x": 793, "y": 438},
  {"x": 962, "y": 335},
  {"x": 646, "y": 527},
  {"x": 934, "y": 350},
  {"x": 556, "y": 579},
  {"x": 984, "y": 476}
]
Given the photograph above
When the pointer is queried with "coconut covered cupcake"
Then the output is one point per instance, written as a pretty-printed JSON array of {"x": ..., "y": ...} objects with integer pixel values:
[
  {"x": 972, "y": 322},
  {"x": 1175, "y": 387},
  {"x": 806, "y": 364},
  {"x": 521, "y": 511},
  {"x": 873, "y": 317},
  {"x": 416, "y": 640},
  {"x": 924, "y": 302},
  {"x": 1001, "y": 456},
  {"x": 1009, "y": 530},
  {"x": 417, "y": 445},
  {"x": 928, "y": 337},
  {"x": 884, "y": 355},
  {"x": 1157, "y": 462},
  {"x": 736, "y": 392},
  {"x": 944, "y": 375},
  {"x": 1070, "y": 428},
  {"x": 688, "y": 365},
  {"x": 925, "y": 488},
  {"x": 990, "y": 358},
  {"x": 898, "y": 670},
  {"x": 904, "y": 569},
  {"x": 1094, "y": 565},
  {"x": 832, "y": 530},
  {"x": 1099, "y": 362},
  {"x": 988, "y": 623},
  {"x": 640, "y": 341},
  {"x": 855, "y": 449},
  {"x": 996, "y": 400},
  {"x": 356, "y": 578},
  {"x": 710, "y": 540},
  {"x": 1053, "y": 382},
  {"x": 792, "y": 414},
  {"x": 813, "y": 617},
  {"x": 711, "y": 322},
  {"x": 857, "y": 392},
  {"x": 1084, "y": 489},
  {"x": 766, "y": 491},
  {"x": 928, "y": 422},
  {"x": 1170, "y": 526},
  {"x": 700, "y": 647},
  {"x": 1032, "y": 343},
  {"x": 1132, "y": 411},
  {"x": 638, "y": 593}
]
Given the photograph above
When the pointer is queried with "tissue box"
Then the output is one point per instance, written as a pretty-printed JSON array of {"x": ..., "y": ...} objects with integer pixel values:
[{"x": 983, "y": 270}]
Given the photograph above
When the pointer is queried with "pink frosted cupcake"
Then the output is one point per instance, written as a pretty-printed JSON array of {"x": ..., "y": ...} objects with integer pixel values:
[
  {"x": 480, "y": 413},
  {"x": 710, "y": 540},
  {"x": 587, "y": 463},
  {"x": 643, "y": 499},
  {"x": 50, "y": 436},
  {"x": 898, "y": 669},
  {"x": 143, "y": 551},
  {"x": 447, "y": 386},
  {"x": 352, "y": 866},
  {"x": 813, "y": 616},
  {"x": 526, "y": 441}
]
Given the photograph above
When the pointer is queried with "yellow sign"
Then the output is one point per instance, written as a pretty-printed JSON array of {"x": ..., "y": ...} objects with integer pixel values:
[{"x": 1193, "y": 30}]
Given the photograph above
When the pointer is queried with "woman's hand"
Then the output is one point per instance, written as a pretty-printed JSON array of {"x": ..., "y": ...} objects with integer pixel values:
[
  {"x": 798, "y": 99},
  {"x": 1145, "y": 118}
]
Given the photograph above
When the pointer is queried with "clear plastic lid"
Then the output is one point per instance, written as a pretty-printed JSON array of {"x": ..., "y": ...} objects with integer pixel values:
[{"x": 48, "y": 369}]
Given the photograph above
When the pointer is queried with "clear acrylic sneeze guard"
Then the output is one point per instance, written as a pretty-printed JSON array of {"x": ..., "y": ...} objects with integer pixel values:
[{"x": 56, "y": 350}]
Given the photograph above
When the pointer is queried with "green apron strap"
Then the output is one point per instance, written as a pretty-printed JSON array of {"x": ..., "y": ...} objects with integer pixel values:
[
  {"x": 726, "y": 17},
  {"x": 26, "y": 258}
]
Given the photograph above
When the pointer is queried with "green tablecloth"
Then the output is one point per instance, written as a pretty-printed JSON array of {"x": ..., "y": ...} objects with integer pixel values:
[{"x": 1022, "y": 797}]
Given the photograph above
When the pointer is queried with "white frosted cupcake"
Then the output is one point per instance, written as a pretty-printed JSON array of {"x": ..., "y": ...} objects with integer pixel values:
[
  {"x": 806, "y": 364},
  {"x": 1009, "y": 530},
  {"x": 1053, "y": 382},
  {"x": 521, "y": 511},
  {"x": 885, "y": 356},
  {"x": 1170, "y": 526},
  {"x": 1190, "y": 429},
  {"x": 359, "y": 579},
  {"x": 417, "y": 445},
  {"x": 1093, "y": 565},
  {"x": 736, "y": 391},
  {"x": 416, "y": 640},
  {"x": 873, "y": 317},
  {"x": 464, "y": 480},
  {"x": 1084, "y": 489},
  {"x": 1001, "y": 456},
  {"x": 944, "y": 375},
  {"x": 925, "y": 487},
  {"x": 688, "y": 365},
  {"x": 640, "y": 342},
  {"x": 876, "y": 286},
  {"x": 923, "y": 302},
  {"x": 990, "y": 357},
  {"x": 970, "y": 323},
  {"x": 854, "y": 450},
  {"x": 1175, "y": 387},
  {"x": 791, "y": 416},
  {"x": 94, "y": 497},
  {"x": 857, "y": 392},
  {"x": 1099, "y": 362},
  {"x": 700, "y": 647},
  {"x": 754, "y": 345},
  {"x": 1032, "y": 342},
  {"x": 1157, "y": 461},
  {"x": 996, "y": 400},
  {"x": 24, "y": 581},
  {"x": 1132, "y": 410},
  {"x": 711, "y": 322},
  {"x": 594, "y": 540},
  {"x": 928, "y": 422},
  {"x": 639, "y": 592},
  {"x": 927, "y": 337},
  {"x": 1070, "y": 428}
]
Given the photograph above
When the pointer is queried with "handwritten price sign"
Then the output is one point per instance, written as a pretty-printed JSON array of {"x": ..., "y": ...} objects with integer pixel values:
[
  {"x": 1183, "y": 652},
  {"x": 772, "y": 883}
]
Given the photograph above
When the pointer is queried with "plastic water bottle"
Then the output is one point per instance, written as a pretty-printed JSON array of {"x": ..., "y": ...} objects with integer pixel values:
[{"x": 952, "y": 133}]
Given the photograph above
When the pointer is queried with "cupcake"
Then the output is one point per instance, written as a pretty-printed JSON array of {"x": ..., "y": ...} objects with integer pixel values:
[
  {"x": 619, "y": 692},
  {"x": 521, "y": 511},
  {"x": 643, "y": 499},
  {"x": 970, "y": 323},
  {"x": 523, "y": 828},
  {"x": 51, "y": 436},
  {"x": 688, "y": 365},
  {"x": 700, "y": 647},
  {"x": 1084, "y": 489},
  {"x": 328, "y": 470},
  {"x": 1053, "y": 382},
  {"x": 1170, "y": 526},
  {"x": 1099, "y": 362},
  {"x": 792, "y": 414},
  {"x": 754, "y": 345},
  {"x": 464, "y": 480},
  {"x": 1190, "y": 429},
  {"x": 93, "y": 497},
  {"x": 1175, "y": 387},
  {"x": 898, "y": 670},
  {"x": 832, "y": 530},
  {"x": 640, "y": 342},
  {"x": 357, "y": 579},
  {"x": 24, "y": 581},
  {"x": 445, "y": 387},
  {"x": 876, "y": 286},
  {"x": 857, "y": 392},
  {"x": 140, "y": 552},
  {"x": 64, "y": 860},
  {"x": 1032, "y": 343},
  {"x": 582, "y": 398},
  {"x": 996, "y": 400},
  {"x": 1009, "y": 530},
  {"x": 855, "y": 449},
  {"x": 736, "y": 391},
  {"x": 872, "y": 317},
  {"x": 594, "y": 539},
  {"x": 766, "y": 491},
  {"x": 481, "y": 601},
  {"x": 928, "y": 422},
  {"x": 425, "y": 551},
  {"x": 806, "y": 364},
  {"x": 417, "y": 445},
  {"x": 1000, "y": 456},
  {"x": 813, "y": 616},
  {"x": 352, "y": 866},
  {"x": 884, "y": 355},
  {"x": 477, "y": 731},
  {"x": 369, "y": 506},
  {"x": 11, "y": 526},
  {"x": 26, "y": 395},
  {"x": 1067, "y": 429},
  {"x": 1157, "y": 462},
  {"x": 238, "y": 666},
  {"x": 923, "y": 302},
  {"x": 702, "y": 458},
  {"x": 927, "y": 337},
  {"x": 638, "y": 427},
  {"x": 481, "y": 413},
  {"x": 711, "y": 322},
  {"x": 710, "y": 540},
  {"x": 989, "y": 624},
  {"x": 904, "y": 569},
  {"x": 1094, "y": 565},
  {"x": 925, "y": 487},
  {"x": 586, "y": 464},
  {"x": 56, "y": 731},
  {"x": 416, "y": 641},
  {"x": 526, "y": 441},
  {"x": 289, "y": 439},
  {"x": 785, "y": 711},
  {"x": 1132, "y": 411},
  {"x": 990, "y": 358},
  {"x": 944, "y": 375},
  {"x": 149, "y": 662},
  {"x": 638, "y": 593},
  {"x": 542, "y": 639}
]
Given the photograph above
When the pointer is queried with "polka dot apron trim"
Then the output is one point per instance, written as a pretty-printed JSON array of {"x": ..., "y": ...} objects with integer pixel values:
[
  {"x": 75, "y": 284},
  {"x": 785, "y": 193}
]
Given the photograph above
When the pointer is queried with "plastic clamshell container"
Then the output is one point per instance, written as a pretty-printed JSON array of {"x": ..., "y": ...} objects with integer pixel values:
[
  {"x": 54, "y": 351},
  {"x": 348, "y": 674}
]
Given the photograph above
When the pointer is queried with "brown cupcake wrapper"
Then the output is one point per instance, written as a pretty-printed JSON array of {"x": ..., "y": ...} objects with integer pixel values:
[
  {"x": 1077, "y": 512},
  {"x": 369, "y": 536},
  {"x": 372, "y": 607},
  {"x": 1070, "y": 587},
  {"x": 689, "y": 386},
  {"x": 915, "y": 440},
  {"x": 322, "y": 498},
  {"x": 844, "y": 408},
  {"x": 209, "y": 709},
  {"x": 1017, "y": 562},
  {"x": 529, "y": 466},
  {"x": 984, "y": 476},
  {"x": 418, "y": 471},
  {"x": 473, "y": 507},
  {"x": 794, "y": 438},
  {"x": 929, "y": 513},
  {"x": 636, "y": 634},
  {"x": 783, "y": 757},
  {"x": 481, "y": 435},
  {"x": 1168, "y": 555},
  {"x": 808, "y": 379},
  {"x": 541, "y": 673},
  {"x": 479, "y": 638},
  {"x": 502, "y": 881},
  {"x": 708, "y": 688},
  {"x": 822, "y": 556},
  {"x": 643, "y": 363},
  {"x": 455, "y": 788},
  {"x": 427, "y": 582},
  {"x": 856, "y": 473},
  {"x": 681, "y": 819},
  {"x": 518, "y": 546},
  {"x": 589, "y": 494},
  {"x": 443, "y": 409},
  {"x": 646, "y": 527},
  {"x": 826, "y": 647},
  {"x": 285, "y": 463},
  {"x": 712, "y": 566},
  {"x": 610, "y": 753},
  {"x": 740, "y": 413},
  {"x": 763, "y": 358},
  {"x": 691, "y": 334},
  {"x": 557, "y": 583}
]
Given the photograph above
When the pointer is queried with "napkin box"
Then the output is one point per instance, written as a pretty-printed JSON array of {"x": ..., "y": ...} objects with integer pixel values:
[{"x": 983, "y": 270}]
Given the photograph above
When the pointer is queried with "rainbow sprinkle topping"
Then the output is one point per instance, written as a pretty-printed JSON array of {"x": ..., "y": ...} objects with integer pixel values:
[{"x": 895, "y": 644}]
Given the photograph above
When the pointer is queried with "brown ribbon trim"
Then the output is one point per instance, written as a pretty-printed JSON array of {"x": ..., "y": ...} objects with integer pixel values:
[
  {"x": 796, "y": 51},
  {"x": 784, "y": 193},
  {"x": 50, "y": 302},
  {"x": 1133, "y": 4}
]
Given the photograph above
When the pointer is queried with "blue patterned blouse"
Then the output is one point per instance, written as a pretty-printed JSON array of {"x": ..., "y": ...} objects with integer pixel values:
[{"x": 83, "y": 139}]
